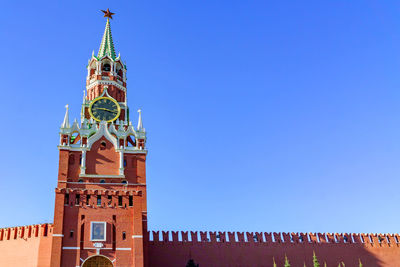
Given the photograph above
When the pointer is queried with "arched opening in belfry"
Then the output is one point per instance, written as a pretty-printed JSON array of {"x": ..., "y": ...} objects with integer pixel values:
[
  {"x": 119, "y": 70},
  {"x": 97, "y": 261},
  {"x": 130, "y": 141},
  {"x": 75, "y": 138},
  {"x": 106, "y": 67},
  {"x": 92, "y": 69}
]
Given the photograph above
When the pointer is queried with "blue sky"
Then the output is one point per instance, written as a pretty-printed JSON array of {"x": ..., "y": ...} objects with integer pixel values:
[{"x": 261, "y": 115}]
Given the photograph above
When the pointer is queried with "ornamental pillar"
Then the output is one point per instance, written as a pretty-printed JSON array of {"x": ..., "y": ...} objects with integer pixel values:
[
  {"x": 83, "y": 162},
  {"x": 121, "y": 161}
]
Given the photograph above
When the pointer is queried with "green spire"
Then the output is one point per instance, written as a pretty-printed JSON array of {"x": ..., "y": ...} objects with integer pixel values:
[{"x": 107, "y": 45}]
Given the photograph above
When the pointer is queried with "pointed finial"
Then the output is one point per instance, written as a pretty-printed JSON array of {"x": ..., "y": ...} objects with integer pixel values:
[
  {"x": 107, "y": 13},
  {"x": 93, "y": 53},
  {"x": 65, "y": 123},
  {"x": 140, "y": 124}
]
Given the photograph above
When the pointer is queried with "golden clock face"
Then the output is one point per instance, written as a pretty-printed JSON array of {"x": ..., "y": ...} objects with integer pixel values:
[{"x": 104, "y": 109}]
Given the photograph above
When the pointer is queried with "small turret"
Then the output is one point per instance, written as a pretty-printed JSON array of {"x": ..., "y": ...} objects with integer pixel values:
[
  {"x": 65, "y": 124},
  {"x": 141, "y": 132},
  {"x": 140, "y": 123}
]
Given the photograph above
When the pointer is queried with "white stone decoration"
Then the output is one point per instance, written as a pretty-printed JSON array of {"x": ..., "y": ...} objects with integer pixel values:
[{"x": 103, "y": 131}]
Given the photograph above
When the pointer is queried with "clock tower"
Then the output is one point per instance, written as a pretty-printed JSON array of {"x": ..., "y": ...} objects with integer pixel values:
[{"x": 100, "y": 212}]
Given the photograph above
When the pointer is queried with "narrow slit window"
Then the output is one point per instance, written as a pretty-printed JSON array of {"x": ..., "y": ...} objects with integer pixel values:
[
  {"x": 119, "y": 200},
  {"x": 87, "y": 199},
  {"x": 123, "y": 236},
  {"x": 130, "y": 201},
  {"x": 77, "y": 199},
  {"x": 98, "y": 200},
  {"x": 109, "y": 200},
  {"x": 71, "y": 234},
  {"x": 66, "y": 199}
]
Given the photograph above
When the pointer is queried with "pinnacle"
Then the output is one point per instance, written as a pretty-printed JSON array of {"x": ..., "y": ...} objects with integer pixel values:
[{"x": 107, "y": 45}]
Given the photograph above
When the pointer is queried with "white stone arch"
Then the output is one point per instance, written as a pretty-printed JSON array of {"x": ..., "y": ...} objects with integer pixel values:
[
  {"x": 102, "y": 131},
  {"x": 119, "y": 69},
  {"x": 106, "y": 60},
  {"x": 92, "y": 67},
  {"x": 98, "y": 255}
]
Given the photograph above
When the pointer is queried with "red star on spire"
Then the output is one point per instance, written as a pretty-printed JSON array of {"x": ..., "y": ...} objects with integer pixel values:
[{"x": 107, "y": 13}]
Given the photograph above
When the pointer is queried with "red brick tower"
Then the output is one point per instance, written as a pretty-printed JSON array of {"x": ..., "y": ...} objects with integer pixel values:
[{"x": 100, "y": 205}]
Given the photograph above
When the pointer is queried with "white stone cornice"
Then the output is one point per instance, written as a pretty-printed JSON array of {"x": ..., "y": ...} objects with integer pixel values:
[
  {"x": 65, "y": 131},
  {"x": 126, "y": 150},
  {"x": 105, "y": 82},
  {"x": 134, "y": 150},
  {"x": 72, "y": 148},
  {"x": 101, "y": 176}
]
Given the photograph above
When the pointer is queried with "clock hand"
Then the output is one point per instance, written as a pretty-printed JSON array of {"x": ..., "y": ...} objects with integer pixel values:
[{"x": 106, "y": 109}]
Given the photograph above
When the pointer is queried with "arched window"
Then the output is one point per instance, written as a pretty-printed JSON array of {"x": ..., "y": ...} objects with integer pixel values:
[
  {"x": 103, "y": 145},
  {"x": 80, "y": 181},
  {"x": 106, "y": 67},
  {"x": 102, "y": 181},
  {"x": 125, "y": 182},
  {"x": 92, "y": 68}
]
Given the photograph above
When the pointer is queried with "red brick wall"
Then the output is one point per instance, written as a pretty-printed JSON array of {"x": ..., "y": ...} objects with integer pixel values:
[
  {"x": 208, "y": 250},
  {"x": 105, "y": 162},
  {"x": 26, "y": 246}
]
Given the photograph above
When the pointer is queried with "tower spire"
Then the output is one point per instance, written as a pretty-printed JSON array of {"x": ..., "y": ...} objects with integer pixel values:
[{"x": 107, "y": 45}]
